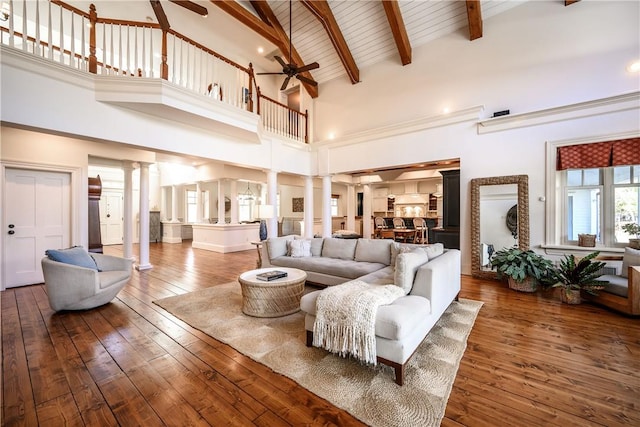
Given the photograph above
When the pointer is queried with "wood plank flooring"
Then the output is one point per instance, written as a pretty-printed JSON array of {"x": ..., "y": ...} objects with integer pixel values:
[{"x": 530, "y": 360}]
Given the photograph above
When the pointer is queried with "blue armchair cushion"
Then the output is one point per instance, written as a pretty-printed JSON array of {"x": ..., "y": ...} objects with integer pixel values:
[{"x": 76, "y": 255}]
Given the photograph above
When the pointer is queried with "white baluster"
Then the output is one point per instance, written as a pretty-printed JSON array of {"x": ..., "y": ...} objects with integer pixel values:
[
  {"x": 24, "y": 26},
  {"x": 83, "y": 28},
  {"x": 72, "y": 58},
  {"x": 36, "y": 47},
  {"x": 135, "y": 53},
  {"x": 152, "y": 68},
  {"x": 144, "y": 52},
  {"x": 50, "y": 34},
  {"x": 11, "y": 30},
  {"x": 120, "y": 55},
  {"x": 105, "y": 70},
  {"x": 128, "y": 69}
]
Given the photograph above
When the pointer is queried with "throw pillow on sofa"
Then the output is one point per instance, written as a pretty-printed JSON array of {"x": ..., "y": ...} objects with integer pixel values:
[
  {"x": 76, "y": 255},
  {"x": 339, "y": 248},
  {"x": 374, "y": 250},
  {"x": 407, "y": 265},
  {"x": 299, "y": 248}
]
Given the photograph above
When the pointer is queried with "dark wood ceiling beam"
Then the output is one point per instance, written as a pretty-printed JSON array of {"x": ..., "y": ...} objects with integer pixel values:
[
  {"x": 193, "y": 7},
  {"x": 570, "y": 2},
  {"x": 265, "y": 12},
  {"x": 247, "y": 18},
  {"x": 399, "y": 31},
  {"x": 474, "y": 15},
  {"x": 321, "y": 10},
  {"x": 160, "y": 15}
]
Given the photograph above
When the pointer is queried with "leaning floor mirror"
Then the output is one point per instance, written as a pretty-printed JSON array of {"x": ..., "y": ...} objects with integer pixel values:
[{"x": 499, "y": 219}]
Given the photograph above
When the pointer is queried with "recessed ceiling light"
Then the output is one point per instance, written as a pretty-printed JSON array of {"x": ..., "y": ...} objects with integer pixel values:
[
  {"x": 332, "y": 135},
  {"x": 260, "y": 50},
  {"x": 634, "y": 67},
  {"x": 445, "y": 110}
]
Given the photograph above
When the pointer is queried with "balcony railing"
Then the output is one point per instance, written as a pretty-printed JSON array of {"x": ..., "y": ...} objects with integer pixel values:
[{"x": 64, "y": 34}]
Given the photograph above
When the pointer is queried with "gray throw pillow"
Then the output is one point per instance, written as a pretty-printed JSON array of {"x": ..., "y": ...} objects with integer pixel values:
[
  {"x": 76, "y": 255},
  {"x": 631, "y": 257},
  {"x": 407, "y": 265}
]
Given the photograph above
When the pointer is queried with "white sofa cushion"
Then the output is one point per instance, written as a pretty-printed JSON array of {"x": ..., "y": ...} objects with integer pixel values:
[
  {"x": 631, "y": 257},
  {"x": 433, "y": 250},
  {"x": 339, "y": 248},
  {"x": 374, "y": 250},
  {"x": 406, "y": 266},
  {"x": 277, "y": 246},
  {"x": 393, "y": 321}
]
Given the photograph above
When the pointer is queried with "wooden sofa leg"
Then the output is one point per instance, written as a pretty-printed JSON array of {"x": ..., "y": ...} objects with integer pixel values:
[
  {"x": 457, "y": 298},
  {"x": 399, "y": 374},
  {"x": 309, "y": 338}
]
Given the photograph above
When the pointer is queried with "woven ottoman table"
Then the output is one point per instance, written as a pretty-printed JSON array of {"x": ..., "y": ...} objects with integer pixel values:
[{"x": 274, "y": 298}]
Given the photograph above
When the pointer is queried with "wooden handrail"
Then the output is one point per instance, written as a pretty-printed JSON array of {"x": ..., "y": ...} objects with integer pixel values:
[
  {"x": 281, "y": 105},
  {"x": 209, "y": 51},
  {"x": 71, "y": 8}
]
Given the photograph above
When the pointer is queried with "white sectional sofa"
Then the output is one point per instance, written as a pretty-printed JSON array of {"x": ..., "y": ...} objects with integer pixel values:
[{"x": 401, "y": 326}]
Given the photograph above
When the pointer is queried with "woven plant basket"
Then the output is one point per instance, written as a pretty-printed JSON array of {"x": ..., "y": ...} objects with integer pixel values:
[
  {"x": 587, "y": 240},
  {"x": 529, "y": 284},
  {"x": 570, "y": 296}
]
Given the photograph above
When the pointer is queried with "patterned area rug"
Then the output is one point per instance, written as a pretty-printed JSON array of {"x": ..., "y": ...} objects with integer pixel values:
[{"x": 368, "y": 393}]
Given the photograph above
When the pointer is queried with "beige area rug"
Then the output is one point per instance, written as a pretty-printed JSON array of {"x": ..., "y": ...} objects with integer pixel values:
[{"x": 368, "y": 393}]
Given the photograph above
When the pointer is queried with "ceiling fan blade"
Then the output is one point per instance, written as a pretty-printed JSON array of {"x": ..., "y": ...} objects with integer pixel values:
[
  {"x": 285, "y": 83},
  {"x": 193, "y": 7},
  {"x": 160, "y": 15},
  {"x": 306, "y": 80},
  {"x": 265, "y": 74},
  {"x": 308, "y": 67},
  {"x": 277, "y": 58}
]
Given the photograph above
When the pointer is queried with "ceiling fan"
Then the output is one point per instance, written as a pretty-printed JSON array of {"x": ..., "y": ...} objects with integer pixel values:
[
  {"x": 162, "y": 17},
  {"x": 291, "y": 69}
]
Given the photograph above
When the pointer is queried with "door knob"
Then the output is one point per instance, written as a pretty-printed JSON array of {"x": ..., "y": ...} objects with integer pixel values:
[
  {"x": 11, "y": 226},
  {"x": 12, "y": 232}
]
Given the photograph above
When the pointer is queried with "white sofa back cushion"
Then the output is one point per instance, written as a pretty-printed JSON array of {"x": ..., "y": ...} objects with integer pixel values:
[
  {"x": 316, "y": 245},
  {"x": 407, "y": 264},
  {"x": 374, "y": 250},
  {"x": 631, "y": 257},
  {"x": 339, "y": 248},
  {"x": 277, "y": 246}
]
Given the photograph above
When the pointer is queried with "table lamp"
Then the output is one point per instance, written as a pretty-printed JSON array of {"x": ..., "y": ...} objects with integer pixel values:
[{"x": 264, "y": 212}]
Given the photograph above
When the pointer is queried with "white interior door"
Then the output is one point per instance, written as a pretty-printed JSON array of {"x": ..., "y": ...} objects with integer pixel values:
[
  {"x": 111, "y": 215},
  {"x": 37, "y": 208}
]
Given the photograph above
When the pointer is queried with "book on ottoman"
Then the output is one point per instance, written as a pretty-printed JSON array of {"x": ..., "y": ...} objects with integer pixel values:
[{"x": 271, "y": 275}]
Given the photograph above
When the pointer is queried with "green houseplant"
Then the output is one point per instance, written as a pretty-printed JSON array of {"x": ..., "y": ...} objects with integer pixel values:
[
  {"x": 523, "y": 269},
  {"x": 633, "y": 229},
  {"x": 575, "y": 276}
]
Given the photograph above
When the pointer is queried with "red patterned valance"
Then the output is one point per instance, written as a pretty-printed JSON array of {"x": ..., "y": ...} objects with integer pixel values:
[{"x": 599, "y": 155}]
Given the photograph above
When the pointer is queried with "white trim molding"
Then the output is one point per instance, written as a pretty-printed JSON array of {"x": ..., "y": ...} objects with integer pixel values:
[{"x": 629, "y": 101}]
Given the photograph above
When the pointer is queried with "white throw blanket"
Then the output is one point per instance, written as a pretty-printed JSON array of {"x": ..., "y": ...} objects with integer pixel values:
[{"x": 346, "y": 318}]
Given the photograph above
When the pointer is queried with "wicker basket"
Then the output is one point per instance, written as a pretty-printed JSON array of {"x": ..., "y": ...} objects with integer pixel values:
[
  {"x": 529, "y": 284},
  {"x": 570, "y": 296},
  {"x": 587, "y": 240}
]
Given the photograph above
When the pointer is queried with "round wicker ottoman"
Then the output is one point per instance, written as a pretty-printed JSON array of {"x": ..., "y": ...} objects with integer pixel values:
[{"x": 274, "y": 298}]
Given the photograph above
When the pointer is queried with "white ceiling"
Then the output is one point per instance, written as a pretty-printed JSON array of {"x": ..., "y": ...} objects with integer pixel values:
[{"x": 363, "y": 24}]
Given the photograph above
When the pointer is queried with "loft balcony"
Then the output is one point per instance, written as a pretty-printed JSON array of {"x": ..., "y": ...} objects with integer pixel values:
[{"x": 140, "y": 66}]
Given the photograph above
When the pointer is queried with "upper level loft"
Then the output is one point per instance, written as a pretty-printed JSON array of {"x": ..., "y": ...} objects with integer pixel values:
[{"x": 146, "y": 67}]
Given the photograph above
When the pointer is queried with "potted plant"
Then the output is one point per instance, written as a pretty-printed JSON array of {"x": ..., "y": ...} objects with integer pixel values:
[
  {"x": 575, "y": 276},
  {"x": 523, "y": 269},
  {"x": 633, "y": 229}
]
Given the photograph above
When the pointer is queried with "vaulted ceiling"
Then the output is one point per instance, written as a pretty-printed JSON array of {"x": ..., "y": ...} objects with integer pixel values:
[{"x": 343, "y": 36}]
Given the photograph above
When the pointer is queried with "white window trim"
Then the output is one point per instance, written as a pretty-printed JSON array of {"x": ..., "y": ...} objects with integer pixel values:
[{"x": 554, "y": 197}]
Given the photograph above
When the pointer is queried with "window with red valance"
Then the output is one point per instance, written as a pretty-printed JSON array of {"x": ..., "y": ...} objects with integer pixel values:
[{"x": 622, "y": 152}]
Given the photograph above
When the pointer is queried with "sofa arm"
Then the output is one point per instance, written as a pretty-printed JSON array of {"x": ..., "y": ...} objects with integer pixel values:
[
  {"x": 438, "y": 280},
  {"x": 111, "y": 263},
  {"x": 264, "y": 255},
  {"x": 67, "y": 283},
  {"x": 634, "y": 289}
]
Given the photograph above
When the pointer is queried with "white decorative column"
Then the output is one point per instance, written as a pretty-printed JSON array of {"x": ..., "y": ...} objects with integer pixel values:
[
  {"x": 163, "y": 203},
  {"x": 326, "y": 206},
  {"x": 272, "y": 196},
  {"x": 233, "y": 188},
  {"x": 367, "y": 229},
  {"x": 220, "y": 202},
  {"x": 198, "y": 202},
  {"x": 351, "y": 207},
  {"x": 143, "y": 261},
  {"x": 174, "y": 203},
  {"x": 127, "y": 206},
  {"x": 308, "y": 207}
]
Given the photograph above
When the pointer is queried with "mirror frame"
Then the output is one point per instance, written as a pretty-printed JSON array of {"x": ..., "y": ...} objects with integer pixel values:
[{"x": 523, "y": 218}]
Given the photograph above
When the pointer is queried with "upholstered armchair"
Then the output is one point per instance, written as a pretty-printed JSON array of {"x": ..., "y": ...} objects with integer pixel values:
[{"x": 72, "y": 287}]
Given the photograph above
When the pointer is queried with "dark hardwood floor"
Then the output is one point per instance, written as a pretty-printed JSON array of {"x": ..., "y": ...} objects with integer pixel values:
[{"x": 530, "y": 360}]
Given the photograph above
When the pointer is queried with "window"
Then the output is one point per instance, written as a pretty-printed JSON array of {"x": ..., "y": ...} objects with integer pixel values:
[
  {"x": 192, "y": 207},
  {"x": 334, "y": 204},
  {"x": 599, "y": 201}
]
